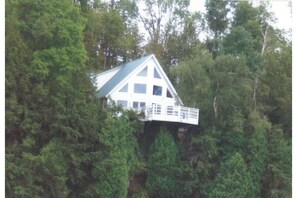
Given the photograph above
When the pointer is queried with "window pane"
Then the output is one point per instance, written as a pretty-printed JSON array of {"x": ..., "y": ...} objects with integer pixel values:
[
  {"x": 122, "y": 103},
  {"x": 168, "y": 94},
  {"x": 156, "y": 74},
  {"x": 125, "y": 88},
  {"x": 135, "y": 105},
  {"x": 157, "y": 90},
  {"x": 140, "y": 88},
  {"x": 143, "y": 72}
]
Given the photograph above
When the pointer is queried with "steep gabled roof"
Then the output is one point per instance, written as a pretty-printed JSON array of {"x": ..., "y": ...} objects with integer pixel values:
[
  {"x": 117, "y": 76},
  {"x": 123, "y": 72}
]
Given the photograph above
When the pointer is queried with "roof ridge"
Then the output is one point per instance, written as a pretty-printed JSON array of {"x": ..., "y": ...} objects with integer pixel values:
[{"x": 127, "y": 69}]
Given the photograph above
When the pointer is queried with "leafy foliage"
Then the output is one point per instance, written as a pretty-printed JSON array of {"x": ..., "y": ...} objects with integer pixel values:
[
  {"x": 114, "y": 171},
  {"x": 163, "y": 157},
  {"x": 234, "y": 179},
  {"x": 61, "y": 141}
]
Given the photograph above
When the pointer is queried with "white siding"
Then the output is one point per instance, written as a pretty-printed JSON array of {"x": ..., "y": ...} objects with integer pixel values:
[
  {"x": 150, "y": 81},
  {"x": 157, "y": 107}
]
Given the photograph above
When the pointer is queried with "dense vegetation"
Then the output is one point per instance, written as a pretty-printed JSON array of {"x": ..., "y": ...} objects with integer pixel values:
[{"x": 62, "y": 142}]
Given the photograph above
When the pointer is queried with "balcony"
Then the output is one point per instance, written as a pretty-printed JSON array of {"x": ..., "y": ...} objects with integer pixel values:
[{"x": 178, "y": 114}]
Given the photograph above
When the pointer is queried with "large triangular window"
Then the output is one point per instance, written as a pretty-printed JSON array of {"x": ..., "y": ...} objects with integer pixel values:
[
  {"x": 156, "y": 74},
  {"x": 143, "y": 72}
]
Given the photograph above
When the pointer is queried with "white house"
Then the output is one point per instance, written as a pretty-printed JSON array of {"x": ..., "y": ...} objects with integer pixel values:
[{"x": 142, "y": 85}]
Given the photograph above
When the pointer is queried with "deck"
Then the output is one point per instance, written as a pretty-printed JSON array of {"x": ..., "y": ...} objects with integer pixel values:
[{"x": 178, "y": 114}]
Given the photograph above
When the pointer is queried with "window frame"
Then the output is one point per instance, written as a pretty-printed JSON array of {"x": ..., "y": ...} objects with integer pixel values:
[
  {"x": 139, "y": 89},
  {"x": 125, "y": 88},
  {"x": 169, "y": 94},
  {"x": 156, "y": 74},
  {"x": 157, "y": 91},
  {"x": 143, "y": 73}
]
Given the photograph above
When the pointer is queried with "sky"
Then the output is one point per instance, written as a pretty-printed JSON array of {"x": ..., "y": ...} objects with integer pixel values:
[{"x": 279, "y": 7}]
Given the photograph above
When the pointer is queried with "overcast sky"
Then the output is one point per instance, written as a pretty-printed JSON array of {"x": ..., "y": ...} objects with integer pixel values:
[{"x": 279, "y": 7}]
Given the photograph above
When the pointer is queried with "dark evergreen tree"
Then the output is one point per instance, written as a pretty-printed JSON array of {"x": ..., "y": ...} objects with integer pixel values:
[
  {"x": 234, "y": 180},
  {"x": 277, "y": 179},
  {"x": 257, "y": 149},
  {"x": 61, "y": 142},
  {"x": 53, "y": 117},
  {"x": 161, "y": 181}
]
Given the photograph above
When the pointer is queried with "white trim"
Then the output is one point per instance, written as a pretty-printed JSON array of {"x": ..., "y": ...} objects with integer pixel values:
[
  {"x": 161, "y": 72},
  {"x": 138, "y": 69},
  {"x": 170, "y": 86}
]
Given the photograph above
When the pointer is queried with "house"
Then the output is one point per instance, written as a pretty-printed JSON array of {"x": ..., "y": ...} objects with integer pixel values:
[{"x": 143, "y": 86}]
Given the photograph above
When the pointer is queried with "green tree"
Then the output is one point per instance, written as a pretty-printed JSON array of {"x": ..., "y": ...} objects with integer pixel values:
[
  {"x": 231, "y": 87},
  {"x": 258, "y": 21},
  {"x": 118, "y": 160},
  {"x": 163, "y": 158},
  {"x": 257, "y": 149},
  {"x": 172, "y": 30},
  {"x": 216, "y": 16},
  {"x": 234, "y": 180},
  {"x": 276, "y": 87},
  {"x": 240, "y": 43},
  {"x": 50, "y": 114},
  {"x": 194, "y": 84},
  {"x": 277, "y": 180},
  {"x": 111, "y": 35},
  {"x": 217, "y": 22},
  {"x": 246, "y": 16}
]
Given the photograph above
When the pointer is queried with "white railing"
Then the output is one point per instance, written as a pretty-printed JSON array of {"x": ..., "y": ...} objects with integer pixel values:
[{"x": 171, "y": 114}]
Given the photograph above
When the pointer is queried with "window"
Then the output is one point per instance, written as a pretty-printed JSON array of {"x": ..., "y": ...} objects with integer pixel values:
[
  {"x": 125, "y": 88},
  {"x": 135, "y": 105},
  {"x": 123, "y": 103},
  {"x": 142, "y": 104},
  {"x": 157, "y": 90},
  {"x": 138, "y": 105},
  {"x": 156, "y": 74},
  {"x": 143, "y": 72},
  {"x": 140, "y": 88},
  {"x": 168, "y": 94}
]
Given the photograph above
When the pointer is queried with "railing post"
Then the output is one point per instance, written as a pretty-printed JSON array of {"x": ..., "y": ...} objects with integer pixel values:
[
  {"x": 189, "y": 114},
  {"x": 152, "y": 112}
]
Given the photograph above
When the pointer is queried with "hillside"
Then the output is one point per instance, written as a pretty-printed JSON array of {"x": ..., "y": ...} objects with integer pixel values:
[{"x": 63, "y": 141}]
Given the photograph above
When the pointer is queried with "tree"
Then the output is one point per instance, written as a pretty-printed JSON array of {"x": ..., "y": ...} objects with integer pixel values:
[
  {"x": 55, "y": 114},
  {"x": 180, "y": 44},
  {"x": 257, "y": 149},
  {"x": 193, "y": 83},
  {"x": 257, "y": 21},
  {"x": 277, "y": 179},
  {"x": 217, "y": 21},
  {"x": 234, "y": 180},
  {"x": 113, "y": 171},
  {"x": 240, "y": 43},
  {"x": 276, "y": 87},
  {"x": 231, "y": 87},
  {"x": 160, "y": 17},
  {"x": 111, "y": 34},
  {"x": 173, "y": 31},
  {"x": 216, "y": 16},
  {"x": 163, "y": 157}
]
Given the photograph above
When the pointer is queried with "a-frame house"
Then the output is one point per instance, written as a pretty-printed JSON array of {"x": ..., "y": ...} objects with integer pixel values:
[{"x": 143, "y": 86}]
